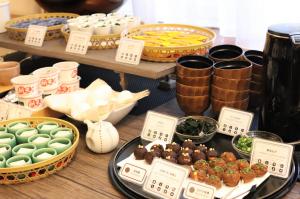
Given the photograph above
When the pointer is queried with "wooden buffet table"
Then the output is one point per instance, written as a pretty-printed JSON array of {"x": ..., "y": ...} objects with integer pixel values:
[
  {"x": 87, "y": 175},
  {"x": 98, "y": 58}
]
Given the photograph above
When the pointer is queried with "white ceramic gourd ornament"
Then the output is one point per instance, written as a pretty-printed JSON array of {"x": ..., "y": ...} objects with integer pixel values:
[{"x": 101, "y": 137}]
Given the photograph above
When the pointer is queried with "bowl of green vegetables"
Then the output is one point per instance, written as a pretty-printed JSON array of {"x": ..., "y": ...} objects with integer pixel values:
[
  {"x": 242, "y": 144},
  {"x": 199, "y": 129}
]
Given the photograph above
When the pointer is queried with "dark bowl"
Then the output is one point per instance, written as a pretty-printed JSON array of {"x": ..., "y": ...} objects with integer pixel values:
[
  {"x": 233, "y": 69},
  {"x": 255, "y": 134},
  {"x": 199, "y": 138},
  {"x": 232, "y": 84},
  {"x": 225, "y": 52},
  {"x": 193, "y": 105},
  {"x": 191, "y": 90},
  {"x": 194, "y": 81},
  {"x": 218, "y": 104},
  {"x": 228, "y": 95},
  {"x": 194, "y": 66}
]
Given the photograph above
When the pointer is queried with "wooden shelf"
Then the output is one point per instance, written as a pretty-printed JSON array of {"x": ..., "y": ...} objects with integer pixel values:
[{"x": 98, "y": 58}]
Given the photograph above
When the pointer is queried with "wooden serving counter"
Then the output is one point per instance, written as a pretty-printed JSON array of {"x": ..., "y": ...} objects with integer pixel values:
[{"x": 87, "y": 175}]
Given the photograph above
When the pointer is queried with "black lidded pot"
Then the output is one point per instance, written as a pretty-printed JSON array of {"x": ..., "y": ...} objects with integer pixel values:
[{"x": 281, "y": 110}]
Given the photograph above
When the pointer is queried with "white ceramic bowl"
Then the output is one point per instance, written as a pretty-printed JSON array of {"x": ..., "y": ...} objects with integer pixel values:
[
  {"x": 34, "y": 103},
  {"x": 26, "y": 85},
  {"x": 67, "y": 70},
  {"x": 48, "y": 78},
  {"x": 69, "y": 86}
]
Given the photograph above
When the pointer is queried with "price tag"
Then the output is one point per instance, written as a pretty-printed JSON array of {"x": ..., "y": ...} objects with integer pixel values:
[
  {"x": 195, "y": 190},
  {"x": 17, "y": 111},
  {"x": 3, "y": 110},
  {"x": 165, "y": 179},
  {"x": 130, "y": 51},
  {"x": 159, "y": 127},
  {"x": 277, "y": 156},
  {"x": 35, "y": 35},
  {"x": 233, "y": 122},
  {"x": 78, "y": 42},
  {"x": 133, "y": 173}
]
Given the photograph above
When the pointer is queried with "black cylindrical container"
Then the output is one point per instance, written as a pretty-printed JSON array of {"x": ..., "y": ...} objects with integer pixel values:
[{"x": 281, "y": 111}]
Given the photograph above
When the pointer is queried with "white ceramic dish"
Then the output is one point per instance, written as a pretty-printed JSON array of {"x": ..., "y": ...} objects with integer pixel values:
[{"x": 115, "y": 116}]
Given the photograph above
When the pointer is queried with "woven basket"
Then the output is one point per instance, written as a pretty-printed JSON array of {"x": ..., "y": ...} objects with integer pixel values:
[
  {"x": 53, "y": 32},
  {"x": 42, "y": 169},
  {"x": 170, "y": 54},
  {"x": 98, "y": 42}
]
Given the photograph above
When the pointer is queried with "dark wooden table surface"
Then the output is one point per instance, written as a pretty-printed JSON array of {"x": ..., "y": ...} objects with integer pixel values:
[{"x": 87, "y": 175}]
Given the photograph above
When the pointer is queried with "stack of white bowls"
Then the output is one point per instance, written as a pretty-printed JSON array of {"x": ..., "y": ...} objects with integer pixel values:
[
  {"x": 60, "y": 78},
  {"x": 102, "y": 24}
]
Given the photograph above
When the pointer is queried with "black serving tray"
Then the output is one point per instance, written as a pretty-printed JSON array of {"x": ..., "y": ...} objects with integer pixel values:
[{"x": 272, "y": 188}]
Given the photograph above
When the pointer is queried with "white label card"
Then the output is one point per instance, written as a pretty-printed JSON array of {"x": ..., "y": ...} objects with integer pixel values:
[
  {"x": 130, "y": 51},
  {"x": 233, "y": 122},
  {"x": 133, "y": 173},
  {"x": 195, "y": 190},
  {"x": 78, "y": 42},
  {"x": 277, "y": 156},
  {"x": 159, "y": 127},
  {"x": 165, "y": 179},
  {"x": 35, "y": 35}
]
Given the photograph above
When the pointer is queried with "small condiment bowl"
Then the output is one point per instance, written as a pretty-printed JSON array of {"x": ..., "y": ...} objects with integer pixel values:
[
  {"x": 7, "y": 152},
  {"x": 202, "y": 138},
  {"x": 24, "y": 138},
  {"x": 26, "y": 158},
  {"x": 46, "y": 131},
  {"x": 8, "y": 138},
  {"x": 54, "y": 134},
  {"x": 13, "y": 130},
  {"x": 2, "y": 161},
  {"x": 254, "y": 134},
  {"x": 59, "y": 149},
  {"x": 38, "y": 152},
  {"x": 41, "y": 144},
  {"x": 31, "y": 147}
]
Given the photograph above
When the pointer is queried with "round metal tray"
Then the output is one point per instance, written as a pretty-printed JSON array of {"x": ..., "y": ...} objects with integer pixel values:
[{"x": 273, "y": 187}]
